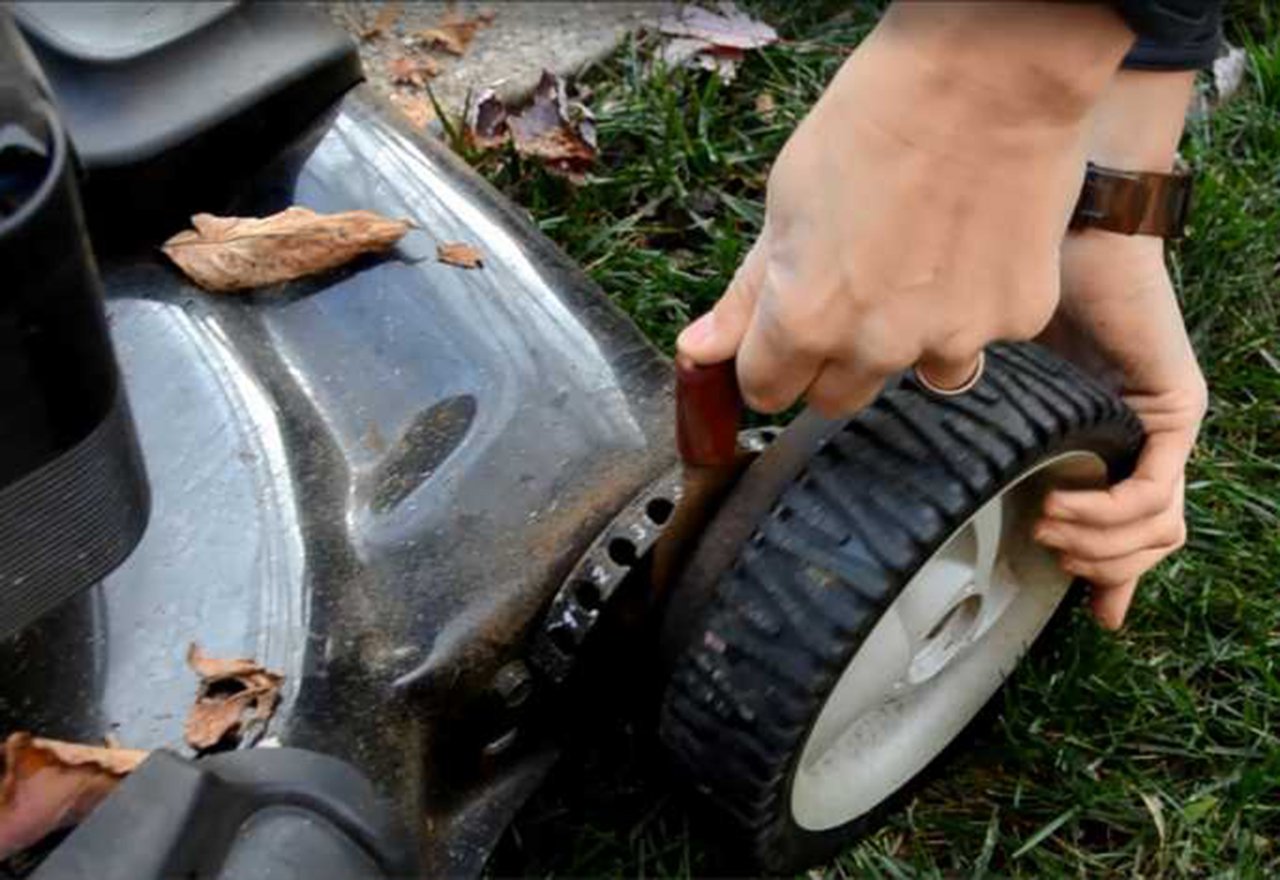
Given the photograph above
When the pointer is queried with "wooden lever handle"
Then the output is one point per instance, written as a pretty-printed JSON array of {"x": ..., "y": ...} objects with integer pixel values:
[{"x": 708, "y": 412}]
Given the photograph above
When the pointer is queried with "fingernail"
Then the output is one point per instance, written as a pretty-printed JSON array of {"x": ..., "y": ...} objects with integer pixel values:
[
  {"x": 1107, "y": 619},
  {"x": 1057, "y": 509},
  {"x": 697, "y": 333},
  {"x": 1047, "y": 534}
]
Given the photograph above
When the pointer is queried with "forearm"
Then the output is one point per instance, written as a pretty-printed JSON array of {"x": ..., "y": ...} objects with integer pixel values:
[
  {"x": 1036, "y": 61},
  {"x": 1138, "y": 121},
  {"x": 1136, "y": 127}
]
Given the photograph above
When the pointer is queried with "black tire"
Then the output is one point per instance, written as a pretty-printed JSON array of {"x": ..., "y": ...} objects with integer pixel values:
[{"x": 761, "y": 649}]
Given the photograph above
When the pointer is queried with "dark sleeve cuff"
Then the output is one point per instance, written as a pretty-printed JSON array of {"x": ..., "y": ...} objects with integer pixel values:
[{"x": 1173, "y": 34}]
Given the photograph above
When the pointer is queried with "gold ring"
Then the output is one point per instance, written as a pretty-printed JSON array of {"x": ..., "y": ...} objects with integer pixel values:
[{"x": 959, "y": 389}]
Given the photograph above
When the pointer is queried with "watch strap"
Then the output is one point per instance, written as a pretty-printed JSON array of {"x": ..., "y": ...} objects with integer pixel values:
[{"x": 1134, "y": 202}]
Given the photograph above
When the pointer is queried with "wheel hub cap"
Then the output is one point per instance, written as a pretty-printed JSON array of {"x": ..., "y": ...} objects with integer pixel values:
[{"x": 938, "y": 653}]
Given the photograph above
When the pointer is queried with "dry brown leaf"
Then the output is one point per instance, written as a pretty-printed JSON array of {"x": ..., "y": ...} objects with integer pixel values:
[
  {"x": 234, "y": 253},
  {"x": 461, "y": 254},
  {"x": 412, "y": 70},
  {"x": 416, "y": 109},
  {"x": 213, "y": 720},
  {"x": 453, "y": 33},
  {"x": 236, "y": 699},
  {"x": 728, "y": 27},
  {"x": 50, "y": 785},
  {"x": 218, "y": 668},
  {"x": 559, "y": 132},
  {"x": 486, "y": 122},
  {"x": 384, "y": 21},
  {"x": 715, "y": 41}
]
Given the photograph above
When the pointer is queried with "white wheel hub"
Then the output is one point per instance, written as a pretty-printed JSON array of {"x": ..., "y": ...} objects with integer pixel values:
[{"x": 938, "y": 653}]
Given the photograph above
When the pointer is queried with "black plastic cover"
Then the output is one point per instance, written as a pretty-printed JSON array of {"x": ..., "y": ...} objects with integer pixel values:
[
  {"x": 284, "y": 814},
  {"x": 371, "y": 480},
  {"x": 170, "y": 105},
  {"x": 73, "y": 497}
]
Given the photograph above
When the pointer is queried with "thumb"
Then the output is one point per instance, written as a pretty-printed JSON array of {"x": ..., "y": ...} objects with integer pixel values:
[{"x": 715, "y": 336}]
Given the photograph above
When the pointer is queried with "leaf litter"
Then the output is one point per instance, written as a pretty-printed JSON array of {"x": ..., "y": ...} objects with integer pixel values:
[
  {"x": 559, "y": 132},
  {"x": 235, "y": 700},
  {"x": 460, "y": 254},
  {"x": 412, "y": 70},
  {"x": 485, "y": 125},
  {"x": 454, "y": 32},
  {"x": 49, "y": 785},
  {"x": 557, "y": 128},
  {"x": 554, "y": 128},
  {"x": 383, "y": 22},
  {"x": 236, "y": 253},
  {"x": 715, "y": 40}
]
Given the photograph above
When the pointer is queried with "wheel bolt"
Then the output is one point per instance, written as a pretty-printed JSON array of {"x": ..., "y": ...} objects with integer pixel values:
[{"x": 513, "y": 684}]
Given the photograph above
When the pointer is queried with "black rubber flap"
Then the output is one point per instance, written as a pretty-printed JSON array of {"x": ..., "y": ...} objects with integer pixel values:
[{"x": 287, "y": 814}]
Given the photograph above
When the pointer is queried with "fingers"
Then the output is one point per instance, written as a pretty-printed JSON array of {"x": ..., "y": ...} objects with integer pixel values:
[
  {"x": 1112, "y": 538},
  {"x": 773, "y": 371},
  {"x": 1115, "y": 572},
  {"x": 1166, "y": 531},
  {"x": 840, "y": 390},
  {"x": 1110, "y": 604},
  {"x": 717, "y": 335},
  {"x": 1152, "y": 488}
]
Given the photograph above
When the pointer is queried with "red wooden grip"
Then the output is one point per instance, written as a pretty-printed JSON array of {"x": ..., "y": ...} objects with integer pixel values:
[{"x": 708, "y": 411}]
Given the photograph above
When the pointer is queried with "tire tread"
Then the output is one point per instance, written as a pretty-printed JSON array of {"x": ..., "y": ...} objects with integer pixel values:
[{"x": 841, "y": 542}]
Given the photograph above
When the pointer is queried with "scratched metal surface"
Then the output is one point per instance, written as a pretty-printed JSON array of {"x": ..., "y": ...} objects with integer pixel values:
[{"x": 372, "y": 480}]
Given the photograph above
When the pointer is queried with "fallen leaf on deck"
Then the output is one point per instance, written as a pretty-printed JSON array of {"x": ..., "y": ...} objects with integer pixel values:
[
  {"x": 234, "y": 253},
  {"x": 418, "y": 110},
  {"x": 559, "y": 132},
  {"x": 486, "y": 122},
  {"x": 236, "y": 699},
  {"x": 714, "y": 40},
  {"x": 454, "y": 33},
  {"x": 457, "y": 253},
  {"x": 384, "y": 21},
  {"x": 412, "y": 70},
  {"x": 50, "y": 785}
]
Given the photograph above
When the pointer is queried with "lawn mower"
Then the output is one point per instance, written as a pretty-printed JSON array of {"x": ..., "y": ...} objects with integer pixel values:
[{"x": 430, "y": 497}]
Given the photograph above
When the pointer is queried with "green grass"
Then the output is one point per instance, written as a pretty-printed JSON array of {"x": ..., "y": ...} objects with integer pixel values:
[{"x": 1152, "y": 753}]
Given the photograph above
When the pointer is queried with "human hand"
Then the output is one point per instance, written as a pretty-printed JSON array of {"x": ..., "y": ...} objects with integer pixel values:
[
  {"x": 1118, "y": 314},
  {"x": 916, "y": 214}
]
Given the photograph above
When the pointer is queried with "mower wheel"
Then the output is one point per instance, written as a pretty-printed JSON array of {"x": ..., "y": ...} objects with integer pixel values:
[{"x": 877, "y": 600}]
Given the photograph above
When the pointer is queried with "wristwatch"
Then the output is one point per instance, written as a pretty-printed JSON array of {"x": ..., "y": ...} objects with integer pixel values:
[{"x": 1134, "y": 202}]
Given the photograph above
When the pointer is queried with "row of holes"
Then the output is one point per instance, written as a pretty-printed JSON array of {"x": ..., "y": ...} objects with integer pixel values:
[{"x": 623, "y": 552}]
